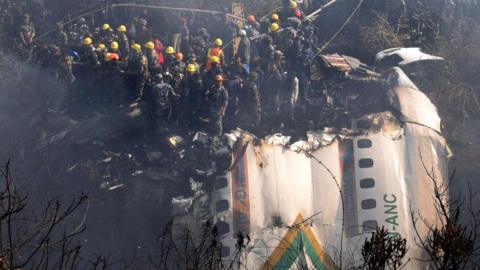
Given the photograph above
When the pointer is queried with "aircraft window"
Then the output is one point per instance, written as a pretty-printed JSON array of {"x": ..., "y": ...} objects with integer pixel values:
[
  {"x": 221, "y": 205},
  {"x": 369, "y": 204},
  {"x": 222, "y": 227},
  {"x": 365, "y": 163},
  {"x": 364, "y": 143},
  {"x": 225, "y": 251},
  {"x": 221, "y": 182},
  {"x": 370, "y": 225},
  {"x": 367, "y": 183}
]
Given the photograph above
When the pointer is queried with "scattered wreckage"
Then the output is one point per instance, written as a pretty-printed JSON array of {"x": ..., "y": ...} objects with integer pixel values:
[
  {"x": 374, "y": 138},
  {"x": 312, "y": 202}
]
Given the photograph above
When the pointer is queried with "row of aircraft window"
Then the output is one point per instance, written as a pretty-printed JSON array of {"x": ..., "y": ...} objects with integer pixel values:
[{"x": 367, "y": 183}]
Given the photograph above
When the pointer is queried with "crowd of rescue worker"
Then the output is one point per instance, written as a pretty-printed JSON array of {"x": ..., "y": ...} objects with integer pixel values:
[{"x": 191, "y": 80}]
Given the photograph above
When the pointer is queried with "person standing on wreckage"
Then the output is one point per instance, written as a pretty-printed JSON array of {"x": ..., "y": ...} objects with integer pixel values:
[
  {"x": 137, "y": 72},
  {"x": 161, "y": 98},
  {"x": 213, "y": 107}
]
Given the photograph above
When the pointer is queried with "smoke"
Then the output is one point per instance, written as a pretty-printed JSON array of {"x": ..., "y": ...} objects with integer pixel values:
[{"x": 55, "y": 152}]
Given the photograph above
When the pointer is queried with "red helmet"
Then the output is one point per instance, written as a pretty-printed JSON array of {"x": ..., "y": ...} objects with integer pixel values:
[
  {"x": 112, "y": 56},
  {"x": 250, "y": 18},
  {"x": 179, "y": 56}
]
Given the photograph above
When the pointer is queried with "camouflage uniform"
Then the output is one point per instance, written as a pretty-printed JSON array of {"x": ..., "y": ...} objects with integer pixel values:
[
  {"x": 65, "y": 70},
  {"x": 213, "y": 109},
  {"x": 249, "y": 104},
  {"x": 153, "y": 65},
  {"x": 124, "y": 44},
  {"x": 137, "y": 71}
]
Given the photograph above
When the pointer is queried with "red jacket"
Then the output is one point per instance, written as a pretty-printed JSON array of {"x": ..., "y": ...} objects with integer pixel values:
[{"x": 159, "y": 50}]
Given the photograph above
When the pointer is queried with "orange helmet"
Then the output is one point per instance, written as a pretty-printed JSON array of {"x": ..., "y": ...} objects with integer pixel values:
[
  {"x": 219, "y": 77},
  {"x": 179, "y": 56},
  {"x": 250, "y": 18}
]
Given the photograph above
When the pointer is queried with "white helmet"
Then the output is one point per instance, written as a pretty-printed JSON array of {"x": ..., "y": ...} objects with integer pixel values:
[{"x": 242, "y": 33}]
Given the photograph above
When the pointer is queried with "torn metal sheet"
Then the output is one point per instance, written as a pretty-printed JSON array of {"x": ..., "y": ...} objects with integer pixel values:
[
  {"x": 413, "y": 105},
  {"x": 403, "y": 56},
  {"x": 273, "y": 187},
  {"x": 336, "y": 62},
  {"x": 277, "y": 139}
]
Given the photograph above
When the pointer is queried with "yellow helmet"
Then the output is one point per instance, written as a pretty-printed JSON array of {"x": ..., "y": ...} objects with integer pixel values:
[
  {"x": 114, "y": 45},
  {"x": 275, "y": 17},
  {"x": 101, "y": 46},
  {"x": 150, "y": 45},
  {"x": 218, "y": 42},
  {"x": 191, "y": 68},
  {"x": 170, "y": 50},
  {"x": 215, "y": 59},
  {"x": 122, "y": 28},
  {"x": 137, "y": 47},
  {"x": 293, "y": 4},
  {"x": 87, "y": 41},
  {"x": 274, "y": 27},
  {"x": 105, "y": 26}
]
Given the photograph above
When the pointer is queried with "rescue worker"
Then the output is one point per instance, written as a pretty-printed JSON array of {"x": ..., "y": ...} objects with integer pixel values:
[
  {"x": 46, "y": 58},
  {"x": 215, "y": 51},
  {"x": 123, "y": 42},
  {"x": 213, "y": 107},
  {"x": 193, "y": 82},
  {"x": 199, "y": 42},
  {"x": 266, "y": 50},
  {"x": 106, "y": 35},
  {"x": 177, "y": 68},
  {"x": 243, "y": 50},
  {"x": 88, "y": 55},
  {"x": 161, "y": 97},
  {"x": 291, "y": 10},
  {"x": 237, "y": 69},
  {"x": 295, "y": 11},
  {"x": 87, "y": 69},
  {"x": 60, "y": 37},
  {"x": 65, "y": 69},
  {"x": 279, "y": 61},
  {"x": 184, "y": 32},
  {"x": 137, "y": 72},
  {"x": 252, "y": 26},
  {"x": 249, "y": 114},
  {"x": 215, "y": 69},
  {"x": 250, "y": 21},
  {"x": 26, "y": 36},
  {"x": 151, "y": 54},
  {"x": 159, "y": 49},
  {"x": 143, "y": 34},
  {"x": 169, "y": 58},
  {"x": 273, "y": 88},
  {"x": 113, "y": 81},
  {"x": 101, "y": 51},
  {"x": 192, "y": 59},
  {"x": 83, "y": 30}
]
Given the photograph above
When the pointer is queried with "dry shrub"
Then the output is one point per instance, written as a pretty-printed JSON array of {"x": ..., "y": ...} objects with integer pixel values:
[
  {"x": 457, "y": 91},
  {"x": 379, "y": 36}
]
